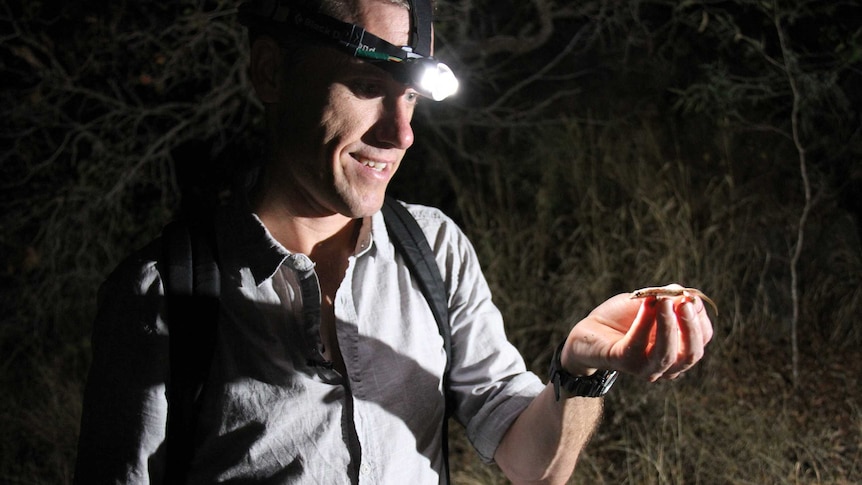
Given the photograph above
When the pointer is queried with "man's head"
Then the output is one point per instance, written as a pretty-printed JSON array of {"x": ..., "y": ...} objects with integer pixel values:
[{"x": 339, "y": 125}]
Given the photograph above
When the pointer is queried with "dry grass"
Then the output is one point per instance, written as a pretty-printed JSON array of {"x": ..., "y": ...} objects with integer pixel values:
[{"x": 615, "y": 213}]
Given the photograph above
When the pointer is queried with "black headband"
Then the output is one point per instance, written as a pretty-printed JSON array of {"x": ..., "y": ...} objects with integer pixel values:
[{"x": 422, "y": 21}]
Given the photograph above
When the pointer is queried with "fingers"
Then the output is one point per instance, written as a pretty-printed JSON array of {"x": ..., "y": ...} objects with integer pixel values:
[
  {"x": 663, "y": 338},
  {"x": 640, "y": 335},
  {"x": 679, "y": 337},
  {"x": 706, "y": 329},
  {"x": 665, "y": 350},
  {"x": 691, "y": 338},
  {"x": 651, "y": 345}
]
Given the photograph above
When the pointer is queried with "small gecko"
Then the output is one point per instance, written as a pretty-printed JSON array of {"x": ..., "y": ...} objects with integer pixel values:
[{"x": 673, "y": 290}]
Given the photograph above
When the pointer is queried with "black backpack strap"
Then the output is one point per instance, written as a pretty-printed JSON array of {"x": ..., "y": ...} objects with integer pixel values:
[
  {"x": 192, "y": 287},
  {"x": 410, "y": 241}
]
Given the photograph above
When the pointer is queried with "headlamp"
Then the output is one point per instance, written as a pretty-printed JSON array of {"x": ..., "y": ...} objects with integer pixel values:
[
  {"x": 411, "y": 65},
  {"x": 426, "y": 75},
  {"x": 433, "y": 79}
]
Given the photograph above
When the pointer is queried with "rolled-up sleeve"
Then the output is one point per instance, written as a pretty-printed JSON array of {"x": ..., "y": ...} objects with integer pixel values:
[{"x": 489, "y": 379}]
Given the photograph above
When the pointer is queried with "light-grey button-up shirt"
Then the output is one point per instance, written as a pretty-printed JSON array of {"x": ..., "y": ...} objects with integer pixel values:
[{"x": 274, "y": 412}]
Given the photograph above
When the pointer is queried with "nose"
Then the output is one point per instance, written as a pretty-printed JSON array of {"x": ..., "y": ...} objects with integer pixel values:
[{"x": 393, "y": 128}]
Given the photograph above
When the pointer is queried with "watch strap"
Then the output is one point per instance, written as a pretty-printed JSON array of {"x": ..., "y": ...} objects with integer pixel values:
[{"x": 595, "y": 385}]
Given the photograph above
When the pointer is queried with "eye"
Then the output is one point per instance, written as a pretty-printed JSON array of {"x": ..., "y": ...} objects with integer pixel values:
[
  {"x": 367, "y": 88},
  {"x": 412, "y": 96}
]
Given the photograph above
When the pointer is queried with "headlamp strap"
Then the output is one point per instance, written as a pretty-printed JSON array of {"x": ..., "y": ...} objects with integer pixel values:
[{"x": 422, "y": 16}]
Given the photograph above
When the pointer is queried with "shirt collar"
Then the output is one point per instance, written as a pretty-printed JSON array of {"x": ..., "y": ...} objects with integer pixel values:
[
  {"x": 243, "y": 241},
  {"x": 374, "y": 232}
]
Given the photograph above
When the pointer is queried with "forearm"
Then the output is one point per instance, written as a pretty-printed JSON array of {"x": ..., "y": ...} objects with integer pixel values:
[{"x": 544, "y": 442}]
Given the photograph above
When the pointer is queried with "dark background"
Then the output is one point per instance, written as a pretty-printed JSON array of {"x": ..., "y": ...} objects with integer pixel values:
[{"x": 595, "y": 147}]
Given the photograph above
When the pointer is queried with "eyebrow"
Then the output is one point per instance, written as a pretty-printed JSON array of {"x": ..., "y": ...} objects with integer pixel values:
[{"x": 356, "y": 65}]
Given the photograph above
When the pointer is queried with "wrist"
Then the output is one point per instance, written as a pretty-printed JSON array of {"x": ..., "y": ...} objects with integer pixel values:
[
  {"x": 570, "y": 362},
  {"x": 578, "y": 381}
]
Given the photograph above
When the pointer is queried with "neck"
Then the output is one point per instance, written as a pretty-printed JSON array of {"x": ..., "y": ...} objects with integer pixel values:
[
  {"x": 310, "y": 235},
  {"x": 294, "y": 220}
]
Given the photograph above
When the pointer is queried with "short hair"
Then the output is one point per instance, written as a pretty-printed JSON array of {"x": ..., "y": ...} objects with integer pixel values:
[
  {"x": 348, "y": 10},
  {"x": 292, "y": 43},
  {"x": 344, "y": 10}
]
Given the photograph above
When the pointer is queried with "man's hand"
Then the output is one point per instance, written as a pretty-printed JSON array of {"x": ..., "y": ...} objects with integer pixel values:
[{"x": 655, "y": 338}]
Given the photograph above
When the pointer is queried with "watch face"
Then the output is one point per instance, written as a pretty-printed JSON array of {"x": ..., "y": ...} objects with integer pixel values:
[{"x": 607, "y": 380}]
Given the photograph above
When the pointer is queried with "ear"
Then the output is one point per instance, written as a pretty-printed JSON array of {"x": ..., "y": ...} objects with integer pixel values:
[{"x": 266, "y": 58}]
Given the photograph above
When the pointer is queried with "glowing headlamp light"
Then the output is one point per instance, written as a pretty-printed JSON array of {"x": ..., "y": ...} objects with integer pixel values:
[
  {"x": 407, "y": 64},
  {"x": 426, "y": 75},
  {"x": 436, "y": 79}
]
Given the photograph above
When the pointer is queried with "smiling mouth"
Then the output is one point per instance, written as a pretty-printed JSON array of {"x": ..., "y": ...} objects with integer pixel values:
[{"x": 376, "y": 166}]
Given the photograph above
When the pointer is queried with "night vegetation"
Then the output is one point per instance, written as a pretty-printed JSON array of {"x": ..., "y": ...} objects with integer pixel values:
[{"x": 596, "y": 147}]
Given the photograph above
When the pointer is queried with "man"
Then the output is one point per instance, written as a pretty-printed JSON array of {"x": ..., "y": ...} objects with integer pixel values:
[{"x": 328, "y": 365}]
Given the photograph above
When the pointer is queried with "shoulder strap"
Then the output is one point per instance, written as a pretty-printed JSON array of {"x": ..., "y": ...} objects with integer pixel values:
[
  {"x": 192, "y": 287},
  {"x": 410, "y": 241}
]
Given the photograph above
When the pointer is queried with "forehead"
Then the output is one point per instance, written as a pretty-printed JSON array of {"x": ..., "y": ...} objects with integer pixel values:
[{"x": 386, "y": 19}]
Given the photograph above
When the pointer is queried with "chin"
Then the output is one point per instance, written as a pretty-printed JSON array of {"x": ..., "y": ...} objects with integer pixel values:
[
  {"x": 359, "y": 207},
  {"x": 367, "y": 206}
]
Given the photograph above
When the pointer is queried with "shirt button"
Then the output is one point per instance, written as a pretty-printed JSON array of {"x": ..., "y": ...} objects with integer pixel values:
[{"x": 300, "y": 262}]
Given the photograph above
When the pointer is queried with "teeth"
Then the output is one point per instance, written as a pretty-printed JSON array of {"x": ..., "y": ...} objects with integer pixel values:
[{"x": 374, "y": 165}]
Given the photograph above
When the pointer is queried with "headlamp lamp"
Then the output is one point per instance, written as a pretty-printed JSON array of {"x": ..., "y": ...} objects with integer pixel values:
[
  {"x": 426, "y": 75},
  {"x": 411, "y": 65}
]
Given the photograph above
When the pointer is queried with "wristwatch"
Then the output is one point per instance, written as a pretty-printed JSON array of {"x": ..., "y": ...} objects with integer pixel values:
[{"x": 595, "y": 385}]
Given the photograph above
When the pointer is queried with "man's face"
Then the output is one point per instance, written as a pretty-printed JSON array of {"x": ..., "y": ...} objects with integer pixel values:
[{"x": 343, "y": 125}]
